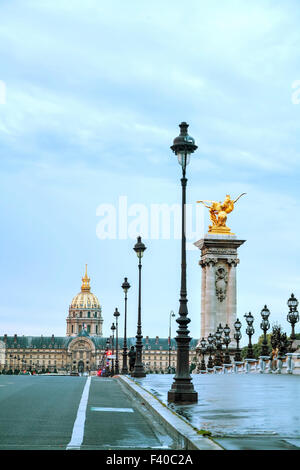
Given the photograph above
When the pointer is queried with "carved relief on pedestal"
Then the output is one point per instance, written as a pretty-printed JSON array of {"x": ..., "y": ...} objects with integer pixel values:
[{"x": 221, "y": 283}]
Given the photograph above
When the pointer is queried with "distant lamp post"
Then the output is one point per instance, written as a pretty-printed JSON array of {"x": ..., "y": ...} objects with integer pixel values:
[
  {"x": 250, "y": 332},
  {"x": 203, "y": 350},
  {"x": 292, "y": 318},
  {"x": 237, "y": 336},
  {"x": 227, "y": 341},
  {"x": 172, "y": 315},
  {"x": 139, "y": 370},
  {"x": 265, "y": 326},
  {"x": 218, "y": 343},
  {"x": 182, "y": 390},
  {"x": 210, "y": 348},
  {"x": 116, "y": 315},
  {"x": 113, "y": 328},
  {"x": 125, "y": 287}
]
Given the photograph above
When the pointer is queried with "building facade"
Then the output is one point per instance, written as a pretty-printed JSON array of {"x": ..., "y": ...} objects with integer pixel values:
[{"x": 83, "y": 348}]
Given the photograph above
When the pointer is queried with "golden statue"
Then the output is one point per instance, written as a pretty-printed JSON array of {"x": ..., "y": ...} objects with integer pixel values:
[{"x": 218, "y": 214}]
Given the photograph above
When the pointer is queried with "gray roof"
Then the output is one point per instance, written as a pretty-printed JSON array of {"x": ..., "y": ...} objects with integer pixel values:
[{"x": 62, "y": 342}]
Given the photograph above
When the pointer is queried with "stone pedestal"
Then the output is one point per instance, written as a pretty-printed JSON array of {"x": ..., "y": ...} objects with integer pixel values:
[{"x": 218, "y": 292}]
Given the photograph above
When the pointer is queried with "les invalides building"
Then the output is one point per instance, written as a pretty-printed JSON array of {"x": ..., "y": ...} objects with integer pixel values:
[{"x": 83, "y": 347}]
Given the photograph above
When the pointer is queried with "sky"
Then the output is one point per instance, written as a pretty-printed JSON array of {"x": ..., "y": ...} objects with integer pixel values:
[{"x": 94, "y": 93}]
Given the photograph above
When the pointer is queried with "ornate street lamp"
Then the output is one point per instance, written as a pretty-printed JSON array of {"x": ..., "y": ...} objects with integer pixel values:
[
  {"x": 203, "y": 350},
  {"x": 210, "y": 348},
  {"x": 182, "y": 390},
  {"x": 218, "y": 343},
  {"x": 227, "y": 341},
  {"x": 139, "y": 370},
  {"x": 125, "y": 287},
  {"x": 265, "y": 326},
  {"x": 112, "y": 349},
  {"x": 292, "y": 318},
  {"x": 237, "y": 337},
  {"x": 172, "y": 315},
  {"x": 117, "y": 314},
  {"x": 250, "y": 332}
]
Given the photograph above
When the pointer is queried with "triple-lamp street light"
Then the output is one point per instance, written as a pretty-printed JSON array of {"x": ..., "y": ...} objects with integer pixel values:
[
  {"x": 182, "y": 390},
  {"x": 292, "y": 318},
  {"x": 139, "y": 370}
]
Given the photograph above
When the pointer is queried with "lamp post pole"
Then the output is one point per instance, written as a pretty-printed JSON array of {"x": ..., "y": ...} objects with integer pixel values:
[
  {"x": 182, "y": 390},
  {"x": 139, "y": 370},
  {"x": 125, "y": 287},
  {"x": 172, "y": 314},
  {"x": 117, "y": 314},
  {"x": 112, "y": 349}
]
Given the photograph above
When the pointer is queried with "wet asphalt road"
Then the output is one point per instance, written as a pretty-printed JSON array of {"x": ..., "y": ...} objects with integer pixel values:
[
  {"x": 243, "y": 411},
  {"x": 39, "y": 412}
]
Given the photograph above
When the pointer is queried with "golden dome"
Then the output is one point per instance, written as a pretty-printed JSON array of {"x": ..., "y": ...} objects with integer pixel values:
[{"x": 85, "y": 298}]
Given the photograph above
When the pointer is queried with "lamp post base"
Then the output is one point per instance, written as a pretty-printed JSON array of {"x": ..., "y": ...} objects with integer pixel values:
[
  {"x": 138, "y": 374},
  {"x": 138, "y": 371},
  {"x": 183, "y": 394}
]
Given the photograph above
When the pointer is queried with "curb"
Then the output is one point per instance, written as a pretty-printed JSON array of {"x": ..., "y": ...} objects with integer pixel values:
[{"x": 183, "y": 433}]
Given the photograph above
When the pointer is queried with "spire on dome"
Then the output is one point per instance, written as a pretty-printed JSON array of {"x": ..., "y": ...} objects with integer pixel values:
[{"x": 85, "y": 287}]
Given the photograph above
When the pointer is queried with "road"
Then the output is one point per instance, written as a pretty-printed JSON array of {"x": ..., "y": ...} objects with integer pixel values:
[{"x": 48, "y": 412}]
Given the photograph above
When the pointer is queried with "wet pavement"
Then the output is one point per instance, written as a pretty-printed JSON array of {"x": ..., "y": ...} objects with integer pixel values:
[
  {"x": 245, "y": 411},
  {"x": 40, "y": 412}
]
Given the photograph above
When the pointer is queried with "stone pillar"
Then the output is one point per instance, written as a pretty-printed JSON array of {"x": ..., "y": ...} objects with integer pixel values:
[{"x": 218, "y": 297}]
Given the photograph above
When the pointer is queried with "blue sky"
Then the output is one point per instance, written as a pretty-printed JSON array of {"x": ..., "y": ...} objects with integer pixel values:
[{"x": 94, "y": 94}]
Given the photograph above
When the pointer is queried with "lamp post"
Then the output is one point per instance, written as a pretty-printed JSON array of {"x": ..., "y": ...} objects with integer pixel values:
[
  {"x": 112, "y": 349},
  {"x": 139, "y": 370},
  {"x": 237, "y": 337},
  {"x": 265, "y": 326},
  {"x": 116, "y": 315},
  {"x": 227, "y": 341},
  {"x": 292, "y": 318},
  {"x": 125, "y": 287},
  {"x": 203, "y": 351},
  {"x": 210, "y": 349},
  {"x": 250, "y": 332},
  {"x": 106, "y": 357},
  {"x": 218, "y": 342},
  {"x": 172, "y": 314},
  {"x": 182, "y": 390}
]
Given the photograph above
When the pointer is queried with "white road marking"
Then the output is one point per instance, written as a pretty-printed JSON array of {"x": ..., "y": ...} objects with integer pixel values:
[
  {"x": 117, "y": 410},
  {"x": 78, "y": 428}
]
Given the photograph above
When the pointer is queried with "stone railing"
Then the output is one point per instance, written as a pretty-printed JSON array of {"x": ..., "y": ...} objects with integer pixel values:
[{"x": 289, "y": 364}]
